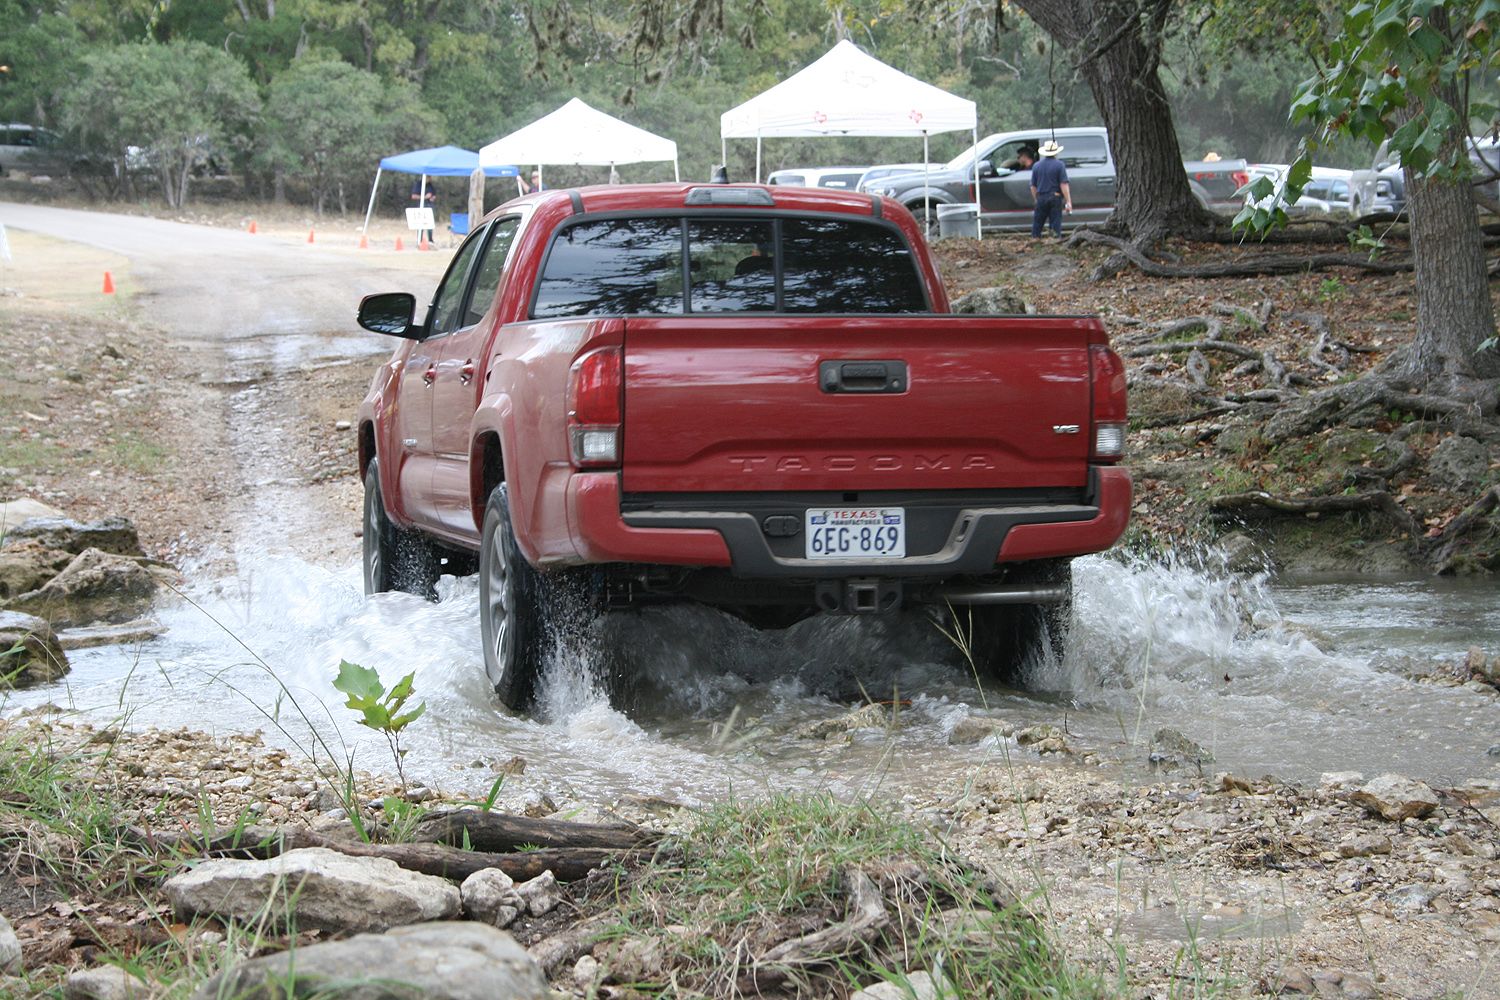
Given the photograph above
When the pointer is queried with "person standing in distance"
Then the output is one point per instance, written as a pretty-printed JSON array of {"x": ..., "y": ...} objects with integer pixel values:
[{"x": 1049, "y": 188}]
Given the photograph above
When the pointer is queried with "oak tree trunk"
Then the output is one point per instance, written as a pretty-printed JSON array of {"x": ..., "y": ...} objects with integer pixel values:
[
  {"x": 1454, "y": 312},
  {"x": 1118, "y": 46}
]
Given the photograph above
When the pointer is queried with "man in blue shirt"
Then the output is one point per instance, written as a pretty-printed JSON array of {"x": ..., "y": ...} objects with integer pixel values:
[{"x": 1049, "y": 188}]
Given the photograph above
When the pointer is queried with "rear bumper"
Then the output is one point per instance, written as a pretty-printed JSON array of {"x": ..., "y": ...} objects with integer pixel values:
[{"x": 979, "y": 538}]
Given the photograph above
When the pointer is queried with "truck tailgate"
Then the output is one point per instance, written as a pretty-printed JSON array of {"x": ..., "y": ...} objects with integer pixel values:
[{"x": 744, "y": 403}]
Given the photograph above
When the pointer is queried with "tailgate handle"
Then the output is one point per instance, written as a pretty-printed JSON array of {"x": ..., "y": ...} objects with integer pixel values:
[{"x": 862, "y": 376}]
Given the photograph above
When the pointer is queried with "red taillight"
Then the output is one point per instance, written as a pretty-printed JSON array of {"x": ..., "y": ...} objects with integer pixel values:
[
  {"x": 596, "y": 390},
  {"x": 1107, "y": 383},
  {"x": 1240, "y": 178}
]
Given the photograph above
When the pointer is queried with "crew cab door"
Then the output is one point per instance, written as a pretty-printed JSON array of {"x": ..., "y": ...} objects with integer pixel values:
[
  {"x": 460, "y": 380},
  {"x": 1006, "y": 198},
  {"x": 419, "y": 389}
]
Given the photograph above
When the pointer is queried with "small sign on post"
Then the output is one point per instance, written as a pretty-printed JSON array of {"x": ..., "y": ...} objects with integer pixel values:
[{"x": 419, "y": 219}]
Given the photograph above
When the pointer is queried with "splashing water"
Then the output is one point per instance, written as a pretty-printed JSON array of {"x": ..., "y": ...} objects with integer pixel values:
[{"x": 695, "y": 704}]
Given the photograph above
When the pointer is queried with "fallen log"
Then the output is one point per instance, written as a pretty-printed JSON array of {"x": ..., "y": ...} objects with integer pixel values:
[
  {"x": 491, "y": 831},
  {"x": 567, "y": 864},
  {"x": 865, "y": 918}
]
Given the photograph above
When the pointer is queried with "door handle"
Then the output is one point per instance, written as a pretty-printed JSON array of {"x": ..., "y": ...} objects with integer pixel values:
[
  {"x": 1105, "y": 181},
  {"x": 862, "y": 376},
  {"x": 466, "y": 373},
  {"x": 429, "y": 375}
]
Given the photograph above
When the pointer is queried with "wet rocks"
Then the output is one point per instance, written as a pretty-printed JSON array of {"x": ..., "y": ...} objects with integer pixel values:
[
  {"x": 426, "y": 961},
  {"x": 32, "y": 652},
  {"x": 866, "y": 717},
  {"x": 1045, "y": 738},
  {"x": 10, "y": 948},
  {"x": 95, "y": 586},
  {"x": 975, "y": 728},
  {"x": 490, "y": 897},
  {"x": 107, "y": 982},
  {"x": 114, "y": 535},
  {"x": 1241, "y": 553},
  {"x": 26, "y": 566},
  {"x": 89, "y": 636},
  {"x": 326, "y": 890},
  {"x": 1172, "y": 744},
  {"x": 1396, "y": 797}
]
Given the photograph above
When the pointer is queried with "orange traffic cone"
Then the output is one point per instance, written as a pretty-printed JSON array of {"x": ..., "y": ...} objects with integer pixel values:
[
  {"x": 109, "y": 284},
  {"x": 364, "y": 242},
  {"x": 398, "y": 244},
  {"x": 309, "y": 236},
  {"x": 422, "y": 243},
  {"x": 252, "y": 230}
]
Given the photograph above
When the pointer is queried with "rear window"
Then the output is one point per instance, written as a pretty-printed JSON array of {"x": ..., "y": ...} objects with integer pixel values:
[{"x": 619, "y": 267}]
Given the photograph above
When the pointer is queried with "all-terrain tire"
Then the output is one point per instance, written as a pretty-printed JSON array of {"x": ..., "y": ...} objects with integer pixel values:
[
  {"x": 1004, "y": 638},
  {"x": 522, "y": 611},
  {"x": 394, "y": 558}
]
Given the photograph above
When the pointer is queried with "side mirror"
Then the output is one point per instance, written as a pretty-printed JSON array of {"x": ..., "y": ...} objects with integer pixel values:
[
  {"x": 1383, "y": 165},
  {"x": 987, "y": 169},
  {"x": 390, "y": 313}
]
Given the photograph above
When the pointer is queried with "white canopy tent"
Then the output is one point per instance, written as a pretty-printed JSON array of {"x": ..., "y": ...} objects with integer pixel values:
[
  {"x": 578, "y": 135},
  {"x": 849, "y": 92}
]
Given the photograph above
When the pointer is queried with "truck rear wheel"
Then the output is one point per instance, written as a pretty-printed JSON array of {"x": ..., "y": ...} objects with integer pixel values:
[
  {"x": 1004, "y": 637},
  {"x": 511, "y": 607},
  {"x": 394, "y": 559}
]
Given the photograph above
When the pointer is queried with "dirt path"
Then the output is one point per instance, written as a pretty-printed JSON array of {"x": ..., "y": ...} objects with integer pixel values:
[{"x": 245, "y": 344}]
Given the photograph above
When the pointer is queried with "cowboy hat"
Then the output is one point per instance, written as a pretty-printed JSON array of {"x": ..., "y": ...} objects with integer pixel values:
[{"x": 1050, "y": 148}]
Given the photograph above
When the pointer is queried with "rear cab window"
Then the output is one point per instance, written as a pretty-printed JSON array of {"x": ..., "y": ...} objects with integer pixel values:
[{"x": 708, "y": 265}]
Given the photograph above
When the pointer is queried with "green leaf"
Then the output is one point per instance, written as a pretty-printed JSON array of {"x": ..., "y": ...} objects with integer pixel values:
[{"x": 361, "y": 684}]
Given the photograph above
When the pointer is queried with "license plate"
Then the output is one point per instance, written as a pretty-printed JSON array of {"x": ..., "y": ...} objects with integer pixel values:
[{"x": 856, "y": 533}]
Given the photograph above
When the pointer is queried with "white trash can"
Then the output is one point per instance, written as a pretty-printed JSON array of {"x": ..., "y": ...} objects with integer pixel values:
[{"x": 958, "y": 220}]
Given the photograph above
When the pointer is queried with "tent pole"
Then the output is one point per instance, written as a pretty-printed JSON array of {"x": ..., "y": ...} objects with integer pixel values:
[
  {"x": 926, "y": 188},
  {"x": 541, "y": 180},
  {"x": 978, "y": 202},
  {"x": 757, "y": 156},
  {"x": 422, "y": 203},
  {"x": 724, "y": 153},
  {"x": 371, "y": 207},
  {"x": 676, "y": 172}
]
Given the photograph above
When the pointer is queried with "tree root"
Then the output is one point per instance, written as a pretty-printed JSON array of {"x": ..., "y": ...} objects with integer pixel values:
[
  {"x": 866, "y": 918},
  {"x": 1264, "y": 504},
  {"x": 1265, "y": 264},
  {"x": 1452, "y": 534}
]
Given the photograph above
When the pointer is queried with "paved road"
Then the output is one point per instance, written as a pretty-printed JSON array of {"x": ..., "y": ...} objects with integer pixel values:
[{"x": 214, "y": 285}]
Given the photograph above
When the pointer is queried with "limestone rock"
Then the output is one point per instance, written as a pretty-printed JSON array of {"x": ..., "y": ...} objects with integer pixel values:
[
  {"x": 1396, "y": 797},
  {"x": 10, "y": 948},
  {"x": 107, "y": 982},
  {"x": 1413, "y": 898},
  {"x": 40, "y": 658},
  {"x": 95, "y": 586},
  {"x": 1364, "y": 845},
  {"x": 1294, "y": 979},
  {"x": 541, "y": 894},
  {"x": 1241, "y": 553},
  {"x": 122, "y": 634},
  {"x": 917, "y": 986},
  {"x": 490, "y": 897},
  {"x": 975, "y": 728},
  {"x": 427, "y": 961},
  {"x": 16, "y": 512},
  {"x": 115, "y": 535},
  {"x": 26, "y": 566},
  {"x": 317, "y": 887},
  {"x": 1459, "y": 463},
  {"x": 867, "y": 717},
  {"x": 992, "y": 301},
  {"x": 1172, "y": 741},
  {"x": 1044, "y": 739}
]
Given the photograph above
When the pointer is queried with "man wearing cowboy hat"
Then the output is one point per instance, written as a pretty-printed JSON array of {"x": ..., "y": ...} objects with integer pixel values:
[{"x": 1049, "y": 188}]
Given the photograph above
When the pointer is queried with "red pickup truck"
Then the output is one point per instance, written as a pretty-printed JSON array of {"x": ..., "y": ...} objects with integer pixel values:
[{"x": 749, "y": 397}]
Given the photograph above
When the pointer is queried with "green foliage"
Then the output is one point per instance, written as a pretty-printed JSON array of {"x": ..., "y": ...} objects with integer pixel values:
[
  {"x": 330, "y": 122},
  {"x": 380, "y": 709},
  {"x": 1364, "y": 239},
  {"x": 1331, "y": 289},
  {"x": 1399, "y": 72},
  {"x": 130, "y": 105}
]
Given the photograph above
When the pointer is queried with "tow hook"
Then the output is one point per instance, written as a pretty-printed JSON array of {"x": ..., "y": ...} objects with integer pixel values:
[{"x": 858, "y": 596}]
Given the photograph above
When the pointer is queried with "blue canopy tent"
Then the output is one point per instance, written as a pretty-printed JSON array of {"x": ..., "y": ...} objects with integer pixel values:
[{"x": 442, "y": 161}]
